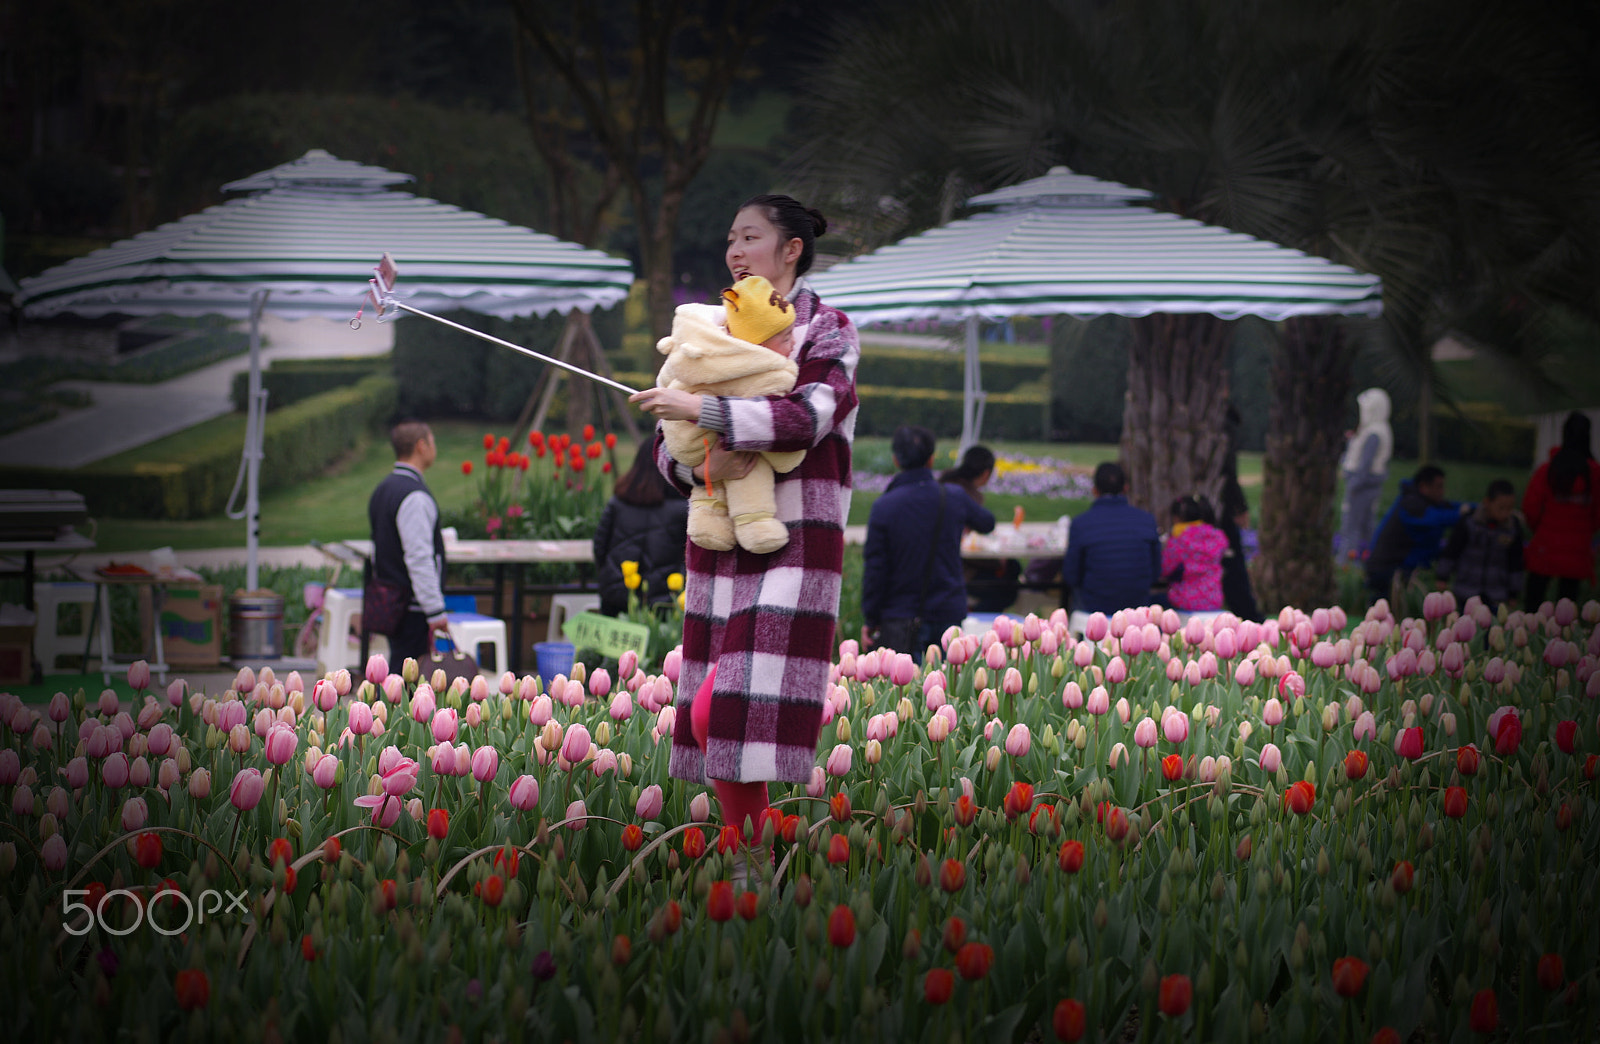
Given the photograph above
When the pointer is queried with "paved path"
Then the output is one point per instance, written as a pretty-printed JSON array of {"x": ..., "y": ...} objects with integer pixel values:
[{"x": 124, "y": 416}]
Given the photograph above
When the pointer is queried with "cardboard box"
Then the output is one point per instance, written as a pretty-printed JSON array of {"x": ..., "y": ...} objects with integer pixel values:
[
  {"x": 16, "y": 655},
  {"x": 191, "y": 624}
]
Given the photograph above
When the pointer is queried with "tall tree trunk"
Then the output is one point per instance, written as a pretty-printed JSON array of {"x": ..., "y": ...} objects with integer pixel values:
[
  {"x": 1311, "y": 385},
  {"x": 1174, "y": 420}
]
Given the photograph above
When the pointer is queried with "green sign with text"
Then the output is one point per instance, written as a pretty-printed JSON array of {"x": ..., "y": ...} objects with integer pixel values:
[{"x": 611, "y": 636}]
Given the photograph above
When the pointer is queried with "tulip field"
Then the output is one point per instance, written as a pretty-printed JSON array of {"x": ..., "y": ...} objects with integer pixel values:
[{"x": 1309, "y": 829}]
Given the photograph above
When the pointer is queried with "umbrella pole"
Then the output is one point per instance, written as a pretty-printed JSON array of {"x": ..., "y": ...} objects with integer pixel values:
[
  {"x": 255, "y": 420},
  {"x": 970, "y": 388}
]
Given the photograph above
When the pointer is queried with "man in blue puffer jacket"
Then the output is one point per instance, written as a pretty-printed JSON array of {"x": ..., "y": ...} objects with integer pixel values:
[
  {"x": 1411, "y": 533},
  {"x": 1114, "y": 551}
]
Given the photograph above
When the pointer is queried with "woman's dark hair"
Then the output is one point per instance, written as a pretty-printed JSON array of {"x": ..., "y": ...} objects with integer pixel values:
[
  {"x": 1571, "y": 461},
  {"x": 643, "y": 485},
  {"x": 974, "y": 462},
  {"x": 794, "y": 221}
]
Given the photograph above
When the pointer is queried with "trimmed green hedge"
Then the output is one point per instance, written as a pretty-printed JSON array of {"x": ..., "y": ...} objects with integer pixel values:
[
  {"x": 913, "y": 368},
  {"x": 288, "y": 381},
  {"x": 1016, "y": 416},
  {"x": 186, "y": 350},
  {"x": 300, "y": 441}
]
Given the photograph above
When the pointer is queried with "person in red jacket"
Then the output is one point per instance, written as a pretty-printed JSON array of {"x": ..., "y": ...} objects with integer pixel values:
[{"x": 1562, "y": 506}]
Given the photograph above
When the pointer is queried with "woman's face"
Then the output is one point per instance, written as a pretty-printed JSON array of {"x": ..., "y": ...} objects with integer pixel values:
[{"x": 756, "y": 247}]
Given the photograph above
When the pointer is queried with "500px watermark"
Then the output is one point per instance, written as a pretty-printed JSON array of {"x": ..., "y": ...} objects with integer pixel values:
[{"x": 193, "y": 909}]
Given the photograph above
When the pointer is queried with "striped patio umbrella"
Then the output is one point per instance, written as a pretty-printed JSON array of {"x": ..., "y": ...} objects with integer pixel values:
[
  {"x": 303, "y": 243},
  {"x": 1069, "y": 244}
]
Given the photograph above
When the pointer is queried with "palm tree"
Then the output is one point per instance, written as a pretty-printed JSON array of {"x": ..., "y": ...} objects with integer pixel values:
[{"x": 1444, "y": 148}]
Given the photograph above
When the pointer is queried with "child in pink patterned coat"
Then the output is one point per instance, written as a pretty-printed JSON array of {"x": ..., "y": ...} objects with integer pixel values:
[{"x": 1192, "y": 558}]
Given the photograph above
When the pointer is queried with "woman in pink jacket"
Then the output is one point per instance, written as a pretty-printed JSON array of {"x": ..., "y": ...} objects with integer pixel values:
[{"x": 1195, "y": 547}]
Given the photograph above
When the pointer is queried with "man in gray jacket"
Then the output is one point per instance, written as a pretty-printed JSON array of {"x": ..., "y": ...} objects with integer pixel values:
[{"x": 408, "y": 545}]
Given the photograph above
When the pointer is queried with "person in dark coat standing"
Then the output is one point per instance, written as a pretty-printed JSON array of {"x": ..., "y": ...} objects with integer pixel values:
[
  {"x": 1483, "y": 556},
  {"x": 645, "y": 522},
  {"x": 1562, "y": 506},
  {"x": 1237, "y": 593},
  {"x": 758, "y": 629},
  {"x": 407, "y": 543},
  {"x": 912, "y": 586},
  {"x": 1411, "y": 533},
  {"x": 1114, "y": 550}
]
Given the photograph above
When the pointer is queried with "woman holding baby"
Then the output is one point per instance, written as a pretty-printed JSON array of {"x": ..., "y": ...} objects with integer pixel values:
[{"x": 758, "y": 629}]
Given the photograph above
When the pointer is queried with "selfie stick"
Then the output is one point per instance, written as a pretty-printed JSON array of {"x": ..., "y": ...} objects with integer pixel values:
[{"x": 380, "y": 296}]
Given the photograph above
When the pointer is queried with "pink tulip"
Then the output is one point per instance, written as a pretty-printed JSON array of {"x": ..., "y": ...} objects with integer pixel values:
[
  {"x": 524, "y": 794},
  {"x": 377, "y": 668},
  {"x": 10, "y": 767},
  {"x": 246, "y": 790},
  {"x": 577, "y": 811},
  {"x": 816, "y": 788},
  {"x": 281, "y": 743},
  {"x": 114, "y": 771},
  {"x": 572, "y": 693},
  {"x": 1226, "y": 644},
  {"x": 1096, "y": 628},
  {"x": 1271, "y": 758},
  {"x": 648, "y": 806},
  {"x": 1192, "y": 674},
  {"x": 1011, "y": 684},
  {"x": 485, "y": 763},
  {"x": 995, "y": 658},
  {"x": 138, "y": 773},
  {"x": 1071, "y": 696},
  {"x": 444, "y": 759},
  {"x": 1272, "y": 713},
  {"x": 1174, "y": 669},
  {"x": 22, "y": 801},
  {"x": 1207, "y": 771},
  {"x": 539, "y": 712},
  {"x": 1566, "y": 612},
  {"x": 575, "y": 746},
  {"x": 1124, "y": 712},
  {"x": 200, "y": 784},
  {"x": 938, "y": 728},
  {"x": 957, "y": 654},
  {"x": 1082, "y": 655},
  {"x": 1116, "y": 671},
  {"x": 1291, "y": 685},
  {"x": 109, "y": 703},
  {"x": 360, "y": 718},
  {"x": 1366, "y": 726},
  {"x": 77, "y": 773},
  {"x": 672, "y": 663},
  {"x": 323, "y": 695},
  {"x": 1133, "y": 642},
  {"x": 600, "y": 683},
  {"x": 54, "y": 853},
  {"x": 1018, "y": 741},
  {"x": 385, "y": 808},
  {"x": 903, "y": 671},
  {"x": 399, "y": 773},
  {"x": 621, "y": 707},
  {"x": 1099, "y": 701},
  {"x": 138, "y": 675},
  {"x": 1175, "y": 725},
  {"x": 1322, "y": 654},
  {"x": 1119, "y": 755},
  {"x": 839, "y": 760},
  {"x": 1144, "y": 733},
  {"x": 605, "y": 760},
  {"x": 445, "y": 725}
]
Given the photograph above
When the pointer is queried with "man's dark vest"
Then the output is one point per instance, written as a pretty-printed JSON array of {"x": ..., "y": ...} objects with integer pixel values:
[{"x": 388, "y": 557}]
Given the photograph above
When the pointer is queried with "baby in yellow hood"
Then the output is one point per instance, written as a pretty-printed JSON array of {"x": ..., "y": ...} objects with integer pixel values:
[{"x": 742, "y": 350}]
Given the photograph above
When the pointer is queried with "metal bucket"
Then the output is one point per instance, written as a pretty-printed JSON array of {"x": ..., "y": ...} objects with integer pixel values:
[{"x": 255, "y": 625}]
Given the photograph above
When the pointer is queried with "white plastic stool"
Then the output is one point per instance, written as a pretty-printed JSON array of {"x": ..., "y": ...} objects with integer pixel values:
[
  {"x": 565, "y": 605},
  {"x": 978, "y": 623},
  {"x": 471, "y": 631},
  {"x": 340, "y": 606},
  {"x": 49, "y": 643}
]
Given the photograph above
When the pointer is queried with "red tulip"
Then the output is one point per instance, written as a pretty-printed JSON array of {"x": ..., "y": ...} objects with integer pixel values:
[
  {"x": 1300, "y": 797},
  {"x": 938, "y": 985},
  {"x": 438, "y": 823},
  {"x": 952, "y": 875},
  {"x": 280, "y": 849},
  {"x": 611, "y": 440},
  {"x": 488, "y": 441},
  {"x": 1410, "y": 746},
  {"x": 331, "y": 850},
  {"x": 1349, "y": 975},
  {"x": 1070, "y": 858},
  {"x": 1591, "y": 766},
  {"x": 728, "y": 840},
  {"x": 748, "y": 904},
  {"x": 719, "y": 901},
  {"x": 494, "y": 890},
  {"x": 308, "y": 947},
  {"x": 1550, "y": 973},
  {"x": 594, "y": 451},
  {"x": 1172, "y": 767},
  {"x": 694, "y": 843},
  {"x": 1116, "y": 824},
  {"x": 1019, "y": 799},
  {"x": 1467, "y": 760},
  {"x": 965, "y": 810},
  {"x": 536, "y": 439},
  {"x": 973, "y": 960},
  {"x": 1049, "y": 814},
  {"x": 791, "y": 828},
  {"x": 838, "y": 850},
  {"x": 1355, "y": 764},
  {"x": 577, "y": 463},
  {"x": 621, "y": 951},
  {"x": 466, "y": 467},
  {"x": 1564, "y": 817},
  {"x": 671, "y": 916},
  {"x": 588, "y": 433},
  {"x": 504, "y": 444},
  {"x": 193, "y": 989},
  {"x": 1401, "y": 879},
  {"x": 1176, "y": 993},
  {"x": 1455, "y": 802},
  {"x": 289, "y": 880},
  {"x": 388, "y": 893},
  {"x": 1485, "y": 1014},
  {"x": 1566, "y": 736},
  {"x": 1068, "y": 1020},
  {"x": 147, "y": 850},
  {"x": 605, "y": 469},
  {"x": 839, "y": 807},
  {"x": 1509, "y": 738},
  {"x": 1386, "y": 1035},
  {"x": 955, "y": 934},
  {"x": 632, "y": 837},
  {"x": 841, "y": 926},
  {"x": 507, "y": 860}
]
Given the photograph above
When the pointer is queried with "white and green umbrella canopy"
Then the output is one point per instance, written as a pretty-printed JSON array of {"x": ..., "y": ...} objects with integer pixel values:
[
  {"x": 1068, "y": 244},
  {"x": 304, "y": 243}
]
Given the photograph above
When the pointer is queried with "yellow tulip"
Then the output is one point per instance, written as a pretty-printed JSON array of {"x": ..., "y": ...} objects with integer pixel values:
[
  {"x": 683, "y": 601},
  {"x": 675, "y": 581},
  {"x": 631, "y": 580},
  {"x": 630, "y": 568}
]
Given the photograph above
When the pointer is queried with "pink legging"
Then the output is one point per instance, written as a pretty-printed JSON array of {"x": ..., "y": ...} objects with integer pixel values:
[{"x": 739, "y": 800}]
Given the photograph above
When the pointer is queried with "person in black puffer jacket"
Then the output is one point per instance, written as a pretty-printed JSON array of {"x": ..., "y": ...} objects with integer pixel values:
[{"x": 646, "y": 521}]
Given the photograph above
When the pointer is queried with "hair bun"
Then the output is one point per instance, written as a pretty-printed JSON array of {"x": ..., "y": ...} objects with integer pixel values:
[{"x": 819, "y": 223}]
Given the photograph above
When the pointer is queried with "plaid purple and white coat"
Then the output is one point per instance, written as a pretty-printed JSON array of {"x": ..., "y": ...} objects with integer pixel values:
[{"x": 767, "y": 621}]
